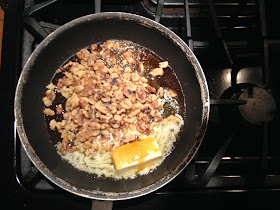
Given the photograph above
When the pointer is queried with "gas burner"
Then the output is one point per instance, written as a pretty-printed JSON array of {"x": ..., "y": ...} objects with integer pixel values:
[
  {"x": 260, "y": 106},
  {"x": 256, "y": 105}
]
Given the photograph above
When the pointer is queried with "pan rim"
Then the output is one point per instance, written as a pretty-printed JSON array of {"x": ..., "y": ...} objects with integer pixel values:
[{"x": 100, "y": 195}]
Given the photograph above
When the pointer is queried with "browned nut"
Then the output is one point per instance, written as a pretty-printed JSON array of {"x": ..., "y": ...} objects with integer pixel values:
[
  {"x": 157, "y": 72},
  {"x": 160, "y": 92},
  {"x": 91, "y": 61},
  {"x": 175, "y": 119},
  {"x": 95, "y": 146},
  {"x": 127, "y": 70},
  {"x": 108, "y": 116},
  {"x": 100, "y": 107},
  {"x": 84, "y": 102},
  {"x": 109, "y": 44},
  {"x": 127, "y": 104},
  {"x": 79, "y": 88},
  {"x": 75, "y": 100},
  {"x": 72, "y": 149},
  {"x": 140, "y": 68},
  {"x": 116, "y": 126},
  {"x": 154, "y": 113},
  {"x": 81, "y": 148},
  {"x": 127, "y": 54},
  {"x": 59, "y": 109},
  {"x": 116, "y": 45},
  {"x": 105, "y": 54},
  {"x": 131, "y": 60},
  {"x": 107, "y": 86},
  {"x": 170, "y": 93},
  {"x": 94, "y": 125},
  {"x": 95, "y": 133},
  {"x": 141, "y": 94},
  {"x": 104, "y": 69},
  {"x": 52, "y": 124},
  {"x": 150, "y": 89},
  {"x": 127, "y": 92},
  {"x": 83, "y": 54},
  {"x": 158, "y": 119},
  {"x": 49, "y": 112},
  {"x": 133, "y": 99},
  {"x": 93, "y": 47},
  {"x": 117, "y": 117},
  {"x": 112, "y": 106},
  {"x": 47, "y": 101},
  {"x": 121, "y": 111},
  {"x": 134, "y": 113},
  {"x": 50, "y": 94},
  {"x": 65, "y": 92},
  {"x": 163, "y": 64},
  {"x": 143, "y": 79},
  {"x": 87, "y": 145},
  {"x": 118, "y": 95},
  {"x": 135, "y": 77},
  {"x": 76, "y": 142},
  {"x": 87, "y": 152},
  {"x": 132, "y": 119},
  {"x": 107, "y": 99},
  {"x": 103, "y": 126},
  {"x": 50, "y": 86},
  {"x": 110, "y": 146},
  {"x": 114, "y": 75}
]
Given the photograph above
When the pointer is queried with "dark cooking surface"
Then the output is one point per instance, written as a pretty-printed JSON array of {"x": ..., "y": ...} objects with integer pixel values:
[{"x": 248, "y": 173}]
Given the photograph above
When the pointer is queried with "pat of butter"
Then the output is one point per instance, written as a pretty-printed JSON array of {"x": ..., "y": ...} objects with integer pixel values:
[{"x": 136, "y": 156}]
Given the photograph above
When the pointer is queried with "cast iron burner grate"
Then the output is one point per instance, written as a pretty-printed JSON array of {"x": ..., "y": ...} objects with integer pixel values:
[{"x": 230, "y": 39}]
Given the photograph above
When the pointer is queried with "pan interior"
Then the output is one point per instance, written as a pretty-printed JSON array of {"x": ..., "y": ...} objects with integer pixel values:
[{"x": 56, "y": 50}]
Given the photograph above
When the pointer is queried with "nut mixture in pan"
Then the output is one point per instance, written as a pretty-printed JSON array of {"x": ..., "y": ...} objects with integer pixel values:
[{"x": 106, "y": 99}]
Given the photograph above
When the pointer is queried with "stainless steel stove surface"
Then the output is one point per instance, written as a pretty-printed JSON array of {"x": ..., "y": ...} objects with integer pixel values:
[{"x": 237, "y": 44}]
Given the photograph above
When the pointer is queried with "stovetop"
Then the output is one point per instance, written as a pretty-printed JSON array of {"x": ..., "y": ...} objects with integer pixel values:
[{"x": 237, "y": 44}]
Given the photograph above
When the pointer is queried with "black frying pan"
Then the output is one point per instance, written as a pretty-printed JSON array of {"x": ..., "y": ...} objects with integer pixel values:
[{"x": 56, "y": 49}]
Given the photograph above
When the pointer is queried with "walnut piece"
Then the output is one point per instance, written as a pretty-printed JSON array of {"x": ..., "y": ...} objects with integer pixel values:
[
  {"x": 49, "y": 112},
  {"x": 163, "y": 64},
  {"x": 171, "y": 93},
  {"x": 157, "y": 72}
]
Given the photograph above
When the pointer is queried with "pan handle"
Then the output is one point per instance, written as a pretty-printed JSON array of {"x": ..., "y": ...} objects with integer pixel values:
[{"x": 101, "y": 205}]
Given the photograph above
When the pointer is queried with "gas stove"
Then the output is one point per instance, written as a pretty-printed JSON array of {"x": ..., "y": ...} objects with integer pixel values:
[{"x": 237, "y": 44}]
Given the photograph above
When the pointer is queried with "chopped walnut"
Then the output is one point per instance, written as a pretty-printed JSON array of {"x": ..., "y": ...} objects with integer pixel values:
[
  {"x": 50, "y": 86},
  {"x": 47, "y": 101},
  {"x": 141, "y": 94},
  {"x": 49, "y": 112},
  {"x": 171, "y": 93},
  {"x": 106, "y": 98},
  {"x": 59, "y": 109},
  {"x": 100, "y": 107},
  {"x": 118, "y": 95},
  {"x": 163, "y": 64},
  {"x": 127, "y": 54},
  {"x": 157, "y": 72},
  {"x": 140, "y": 68},
  {"x": 160, "y": 92},
  {"x": 50, "y": 94},
  {"x": 52, "y": 124}
]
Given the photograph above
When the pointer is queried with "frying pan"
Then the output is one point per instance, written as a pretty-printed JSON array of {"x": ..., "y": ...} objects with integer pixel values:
[{"x": 62, "y": 44}]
